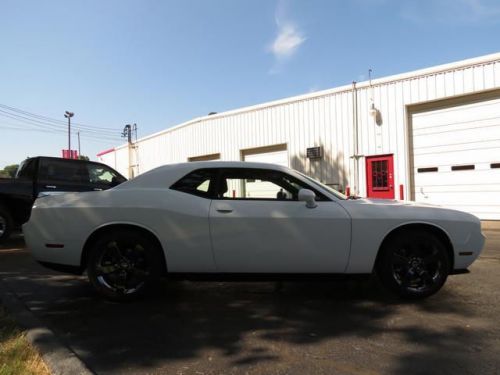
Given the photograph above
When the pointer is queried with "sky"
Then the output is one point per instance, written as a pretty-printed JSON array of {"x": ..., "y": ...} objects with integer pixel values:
[{"x": 158, "y": 63}]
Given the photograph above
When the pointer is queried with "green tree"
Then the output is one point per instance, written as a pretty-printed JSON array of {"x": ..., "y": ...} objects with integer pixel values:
[
  {"x": 9, "y": 170},
  {"x": 83, "y": 157}
]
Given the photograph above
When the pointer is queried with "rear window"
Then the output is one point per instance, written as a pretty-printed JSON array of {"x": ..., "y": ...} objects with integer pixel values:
[
  {"x": 63, "y": 171},
  {"x": 199, "y": 183},
  {"x": 79, "y": 173}
]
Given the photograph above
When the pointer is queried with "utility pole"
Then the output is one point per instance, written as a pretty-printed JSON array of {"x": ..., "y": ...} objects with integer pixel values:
[
  {"x": 136, "y": 145},
  {"x": 68, "y": 115},
  {"x": 79, "y": 153},
  {"x": 134, "y": 129},
  {"x": 132, "y": 149},
  {"x": 127, "y": 132}
]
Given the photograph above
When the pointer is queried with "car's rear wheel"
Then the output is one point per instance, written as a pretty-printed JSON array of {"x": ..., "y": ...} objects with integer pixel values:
[
  {"x": 123, "y": 265},
  {"x": 6, "y": 223},
  {"x": 413, "y": 264}
]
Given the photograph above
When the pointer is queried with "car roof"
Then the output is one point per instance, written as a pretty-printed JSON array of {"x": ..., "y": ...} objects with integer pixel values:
[{"x": 166, "y": 175}]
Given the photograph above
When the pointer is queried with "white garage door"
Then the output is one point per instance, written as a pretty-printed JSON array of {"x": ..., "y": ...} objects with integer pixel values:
[
  {"x": 456, "y": 154},
  {"x": 275, "y": 157},
  {"x": 255, "y": 189}
]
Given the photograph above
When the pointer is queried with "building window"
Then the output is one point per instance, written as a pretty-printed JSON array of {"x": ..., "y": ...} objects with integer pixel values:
[
  {"x": 204, "y": 157},
  {"x": 379, "y": 175},
  {"x": 495, "y": 165}
]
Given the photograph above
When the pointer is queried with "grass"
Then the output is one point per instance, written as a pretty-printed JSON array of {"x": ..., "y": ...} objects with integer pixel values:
[{"x": 17, "y": 356}]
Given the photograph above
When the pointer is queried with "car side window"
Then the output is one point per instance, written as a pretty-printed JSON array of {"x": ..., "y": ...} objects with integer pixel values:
[
  {"x": 199, "y": 183},
  {"x": 101, "y": 175},
  {"x": 261, "y": 184},
  {"x": 63, "y": 171}
]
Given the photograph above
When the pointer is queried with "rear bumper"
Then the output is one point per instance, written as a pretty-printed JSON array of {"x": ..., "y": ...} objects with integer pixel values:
[{"x": 39, "y": 239}]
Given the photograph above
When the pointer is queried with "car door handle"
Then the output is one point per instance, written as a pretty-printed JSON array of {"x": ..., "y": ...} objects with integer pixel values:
[
  {"x": 50, "y": 186},
  {"x": 223, "y": 208}
]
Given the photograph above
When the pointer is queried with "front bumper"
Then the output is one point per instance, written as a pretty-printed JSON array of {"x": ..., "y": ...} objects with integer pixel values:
[{"x": 469, "y": 251}]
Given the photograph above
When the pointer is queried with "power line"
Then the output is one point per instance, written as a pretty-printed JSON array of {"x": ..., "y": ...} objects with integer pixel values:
[
  {"x": 89, "y": 138},
  {"x": 37, "y": 127},
  {"x": 27, "y": 127},
  {"x": 53, "y": 120},
  {"x": 46, "y": 126}
]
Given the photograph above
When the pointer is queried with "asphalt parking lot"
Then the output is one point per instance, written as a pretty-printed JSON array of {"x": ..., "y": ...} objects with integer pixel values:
[{"x": 328, "y": 327}]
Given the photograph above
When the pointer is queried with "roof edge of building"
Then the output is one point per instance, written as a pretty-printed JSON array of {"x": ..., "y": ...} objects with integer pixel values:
[{"x": 476, "y": 61}]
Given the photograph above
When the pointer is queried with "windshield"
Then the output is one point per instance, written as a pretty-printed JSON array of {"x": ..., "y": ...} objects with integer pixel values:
[
  {"x": 336, "y": 193},
  {"x": 26, "y": 170}
]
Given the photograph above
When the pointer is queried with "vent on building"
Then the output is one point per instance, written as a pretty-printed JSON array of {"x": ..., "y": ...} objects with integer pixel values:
[
  {"x": 462, "y": 167},
  {"x": 314, "y": 152},
  {"x": 429, "y": 169}
]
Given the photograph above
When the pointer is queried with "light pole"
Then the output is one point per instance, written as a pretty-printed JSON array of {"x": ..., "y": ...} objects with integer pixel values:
[{"x": 68, "y": 115}]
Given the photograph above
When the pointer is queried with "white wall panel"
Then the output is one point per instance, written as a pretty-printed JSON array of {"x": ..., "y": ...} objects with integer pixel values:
[
  {"x": 326, "y": 119},
  {"x": 467, "y": 134}
]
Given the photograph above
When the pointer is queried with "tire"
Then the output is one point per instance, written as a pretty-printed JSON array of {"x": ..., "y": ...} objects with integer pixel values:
[
  {"x": 413, "y": 264},
  {"x": 123, "y": 265},
  {"x": 6, "y": 224}
]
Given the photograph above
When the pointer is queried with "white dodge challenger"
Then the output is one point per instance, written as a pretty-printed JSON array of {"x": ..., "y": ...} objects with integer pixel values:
[{"x": 246, "y": 219}]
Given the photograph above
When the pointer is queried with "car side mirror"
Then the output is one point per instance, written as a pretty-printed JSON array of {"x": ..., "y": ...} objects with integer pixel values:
[{"x": 308, "y": 196}]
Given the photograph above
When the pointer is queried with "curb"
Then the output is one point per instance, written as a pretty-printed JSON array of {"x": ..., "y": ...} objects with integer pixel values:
[{"x": 58, "y": 357}]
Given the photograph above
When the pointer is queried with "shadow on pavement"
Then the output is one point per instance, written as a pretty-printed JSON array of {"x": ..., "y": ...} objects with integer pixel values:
[{"x": 268, "y": 327}]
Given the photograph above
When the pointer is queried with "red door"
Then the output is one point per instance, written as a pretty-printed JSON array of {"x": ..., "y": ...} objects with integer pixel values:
[{"x": 380, "y": 176}]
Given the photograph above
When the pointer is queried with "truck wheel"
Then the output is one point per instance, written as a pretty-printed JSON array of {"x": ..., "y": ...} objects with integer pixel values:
[{"x": 5, "y": 223}]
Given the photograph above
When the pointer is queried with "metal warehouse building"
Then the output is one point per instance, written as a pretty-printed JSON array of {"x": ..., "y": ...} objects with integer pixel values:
[{"x": 432, "y": 135}]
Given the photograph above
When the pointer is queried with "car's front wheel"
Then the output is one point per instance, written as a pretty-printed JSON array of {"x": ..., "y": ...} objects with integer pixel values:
[
  {"x": 413, "y": 264},
  {"x": 122, "y": 265}
]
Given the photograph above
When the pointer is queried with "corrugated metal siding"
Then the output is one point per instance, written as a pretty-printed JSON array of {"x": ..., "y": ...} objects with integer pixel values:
[
  {"x": 324, "y": 120},
  {"x": 448, "y": 139}
]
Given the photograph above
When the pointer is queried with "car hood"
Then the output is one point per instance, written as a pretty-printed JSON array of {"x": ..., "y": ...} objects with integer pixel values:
[
  {"x": 403, "y": 210},
  {"x": 391, "y": 202}
]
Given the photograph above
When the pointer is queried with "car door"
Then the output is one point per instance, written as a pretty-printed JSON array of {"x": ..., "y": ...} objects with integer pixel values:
[
  {"x": 257, "y": 225},
  {"x": 59, "y": 175}
]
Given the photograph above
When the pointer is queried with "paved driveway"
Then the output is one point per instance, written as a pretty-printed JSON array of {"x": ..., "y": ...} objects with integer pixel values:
[{"x": 348, "y": 327}]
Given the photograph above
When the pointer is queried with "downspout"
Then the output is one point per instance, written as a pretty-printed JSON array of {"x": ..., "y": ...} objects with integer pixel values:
[
  {"x": 130, "y": 169},
  {"x": 355, "y": 155}
]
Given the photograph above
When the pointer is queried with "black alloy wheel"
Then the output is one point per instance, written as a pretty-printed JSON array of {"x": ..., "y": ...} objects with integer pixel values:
[
  {"x": 123, "y": 265},
  {"x": 414, "y": 264}
]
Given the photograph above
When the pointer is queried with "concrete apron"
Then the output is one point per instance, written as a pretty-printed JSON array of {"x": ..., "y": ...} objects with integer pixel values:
[{"x": 490, "y": 225}]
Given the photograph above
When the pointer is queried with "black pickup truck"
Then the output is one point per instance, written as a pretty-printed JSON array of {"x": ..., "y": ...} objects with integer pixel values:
[{"x": 48, "y": 175}]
